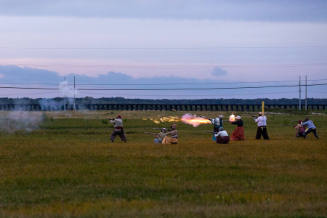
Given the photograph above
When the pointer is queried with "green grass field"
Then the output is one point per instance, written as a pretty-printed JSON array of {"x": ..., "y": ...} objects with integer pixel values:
[{"x": 69, "y": 168}]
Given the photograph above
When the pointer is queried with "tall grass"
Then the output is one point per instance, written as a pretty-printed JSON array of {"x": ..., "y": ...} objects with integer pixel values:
[{"x": 69, "y": 168}]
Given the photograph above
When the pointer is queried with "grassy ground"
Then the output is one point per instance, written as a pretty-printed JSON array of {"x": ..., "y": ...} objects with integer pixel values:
[{"x": 68, "y": 168}]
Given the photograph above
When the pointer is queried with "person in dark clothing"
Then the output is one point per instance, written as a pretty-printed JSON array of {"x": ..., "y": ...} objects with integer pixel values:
[
  {"x": 217, "y": 123},
  {"x": 238, "y": 133}
]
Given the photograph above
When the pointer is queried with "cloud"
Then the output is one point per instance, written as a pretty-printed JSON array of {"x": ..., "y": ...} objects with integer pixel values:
[
  {"x": 26, "y": 76},
  {"x": 16, "y": 74},
  {"x": 217, "y": 71},
  {"x": 116, "y": 82},
  {"x": 277, "y": 10}
]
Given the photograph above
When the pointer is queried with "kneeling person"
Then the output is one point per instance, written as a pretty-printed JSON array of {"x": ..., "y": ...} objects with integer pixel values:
[
  {"x": 160, "y": 136},
  {"x": 171, "y": 136},
  {"x": 222, "y": 136}
]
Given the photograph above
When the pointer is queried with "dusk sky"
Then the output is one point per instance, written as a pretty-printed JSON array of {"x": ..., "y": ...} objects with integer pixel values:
[{"x": 209, "y": 40}]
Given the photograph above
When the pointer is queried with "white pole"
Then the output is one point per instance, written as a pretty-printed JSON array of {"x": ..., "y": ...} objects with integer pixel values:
[
  {"x": 300, "y": 93},
  {"x": 74, "y": 94},
  {"x": 306, "y": 92}
]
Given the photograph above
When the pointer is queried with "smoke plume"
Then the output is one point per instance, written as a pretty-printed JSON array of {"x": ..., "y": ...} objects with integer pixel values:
[{"x": 14, "y": 121}]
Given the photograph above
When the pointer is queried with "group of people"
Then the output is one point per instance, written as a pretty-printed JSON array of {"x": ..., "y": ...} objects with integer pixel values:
[
  {"x": 164, "y": 136},
  {"x": 303, "y": 128},
  {"x": 167, "y": 136},
  {"x": 220, "y": 135}
]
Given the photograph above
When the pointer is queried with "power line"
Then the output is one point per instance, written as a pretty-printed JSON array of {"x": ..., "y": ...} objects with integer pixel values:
[
  {"x": 232, "y": 94},
  {"x": 157, "y": 84},
  {"x": 164, "y": 48},
  {"x": 165, "y": 89},
  {"x": 175, "y": 83},
  {"x": 27, "y": 88}
]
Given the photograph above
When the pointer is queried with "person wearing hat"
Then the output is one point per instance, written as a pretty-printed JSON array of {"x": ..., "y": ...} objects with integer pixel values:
[
  {"x": 238, "y": 133},
  {"x": 118, "y": 129},
  {"x": 171, "y": 136},
  {"x": 160, "y": 136},
  {"x": 222, "y": 136},
  {"x": 217, "y": 123},
  {"x": 261, "y": 121}
]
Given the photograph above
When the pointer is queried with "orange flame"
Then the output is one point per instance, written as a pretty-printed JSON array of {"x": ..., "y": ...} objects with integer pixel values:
[
  {"x": 194, "y": 120},
  {"x": 167, "y": 119},
  {"x": 232, "y": 118}
]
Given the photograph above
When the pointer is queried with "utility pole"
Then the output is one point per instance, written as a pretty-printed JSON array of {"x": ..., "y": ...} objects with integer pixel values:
[
  {"x": 74, "y": 94},
  {"x": 65, "y": 98},
  {"x": 300, "y": 106},
  {"x": 306, "y": 92}
]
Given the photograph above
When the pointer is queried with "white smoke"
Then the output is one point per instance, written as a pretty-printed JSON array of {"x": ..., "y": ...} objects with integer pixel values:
[
  {"x": 66, "y": 90},
  {"x": 51, "y": 104},
  {"x": 14, "y": 121}
]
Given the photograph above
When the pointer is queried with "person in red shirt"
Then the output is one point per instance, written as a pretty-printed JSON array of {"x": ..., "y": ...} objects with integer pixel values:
[{"x": 300, "y": 130}]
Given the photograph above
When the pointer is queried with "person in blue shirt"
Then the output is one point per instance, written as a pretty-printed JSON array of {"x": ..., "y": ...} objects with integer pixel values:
[{"x": 310, "y": 127}]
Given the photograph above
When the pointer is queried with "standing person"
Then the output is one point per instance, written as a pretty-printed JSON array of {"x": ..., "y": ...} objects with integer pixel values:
[
  {"x": 171, "y": 136},
  {"x": 217, "y": 123},
  {"x": 118, "y": 129},
  {"x": 310, "y": 127},
  {"x": 262, "y": 126},
  {"x": 238, "y": 133},
  {"x": 222, "y": 136},
  {"x": 300, "y": 130}
]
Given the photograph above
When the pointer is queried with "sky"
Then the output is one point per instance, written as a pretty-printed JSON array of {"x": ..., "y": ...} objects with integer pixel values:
[{"x": 149, "y": 40}]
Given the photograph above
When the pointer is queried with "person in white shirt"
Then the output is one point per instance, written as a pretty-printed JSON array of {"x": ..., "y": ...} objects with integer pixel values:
[
  {"x": 118, "y": 129},
  {"x": 222, "y": 136},
  {"x": 262, "y": 126},
  {"x": 217, "y": 123}
]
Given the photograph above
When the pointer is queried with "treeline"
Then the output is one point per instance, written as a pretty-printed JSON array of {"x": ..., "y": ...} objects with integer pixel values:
[{"x": 120, "y": 100}]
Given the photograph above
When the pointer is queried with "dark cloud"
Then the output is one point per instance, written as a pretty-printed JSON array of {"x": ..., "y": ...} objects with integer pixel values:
[{"x": 261, "y": 10}]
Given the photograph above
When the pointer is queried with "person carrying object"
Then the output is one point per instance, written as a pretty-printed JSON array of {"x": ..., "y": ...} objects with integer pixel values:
[
  {"x": 261, "y": 121},
  {"x": 171, "y": 136},
  {"x": 160, "y": 136},
  {"x": 118, "y": 129},
  {"x": 238, "y": 133},
  {"x": 310, "y": 127},
  {"x": 217, "y": 123}
]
